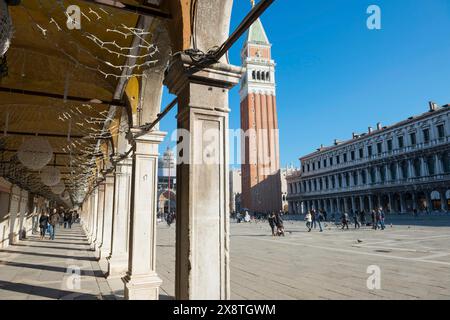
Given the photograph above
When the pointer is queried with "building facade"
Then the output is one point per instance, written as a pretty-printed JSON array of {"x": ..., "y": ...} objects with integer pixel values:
[
  {"x": 235, "y": 190},
  {"x": 167, "y": 183},
  {"x": 402, "y": 168},
  {"x": 261, "y": 182}
]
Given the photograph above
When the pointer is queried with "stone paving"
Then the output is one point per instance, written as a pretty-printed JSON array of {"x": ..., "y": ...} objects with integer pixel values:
[
  {"x": 49, "y": 269},
  {"x": 413, "y": 256}
]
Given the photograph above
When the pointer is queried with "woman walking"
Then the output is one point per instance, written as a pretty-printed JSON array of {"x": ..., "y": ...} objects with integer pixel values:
[
  {"x": 43, "y": 223},
  {"x": 308, "y": 219}
]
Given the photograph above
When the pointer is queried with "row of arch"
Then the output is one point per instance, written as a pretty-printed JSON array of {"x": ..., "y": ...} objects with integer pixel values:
[
  {"x": 402, "y": 170},
  {"x": 395, "y": 202}
]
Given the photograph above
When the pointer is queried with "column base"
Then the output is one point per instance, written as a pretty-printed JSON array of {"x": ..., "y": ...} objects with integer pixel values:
[
  {"x": 142, "y": 287},
  {"x": 117, "y": 267}
]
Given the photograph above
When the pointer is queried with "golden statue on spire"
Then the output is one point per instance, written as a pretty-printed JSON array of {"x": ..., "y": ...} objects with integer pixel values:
[{"x": 253, "y": 3}]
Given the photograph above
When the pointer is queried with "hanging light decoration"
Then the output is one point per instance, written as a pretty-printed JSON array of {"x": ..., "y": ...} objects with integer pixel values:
[
  {"x": 59, "y": 188},
  {"x": 50, "y": 176},
  {"x": 35, "y": 153},
  {"x": 6, "y": 28}
]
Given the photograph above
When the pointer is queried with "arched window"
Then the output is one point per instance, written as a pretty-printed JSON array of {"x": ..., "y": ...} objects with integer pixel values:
[
  {"x": 268, "y": 76},
  {"x": 430, "y": 165},
  {"x": 393, "y": 170},
  {"x": 258, "y": 75},
  {"x": 355, "y": 178},
  {"x": 372, "y": 175},
  {"x": 364, "y": 177},
  {"x": 253, "y": 74},
  {"x": 340, "y": 181},
  {"x": 405, "y": 170},
  {"x": 446, "y": 162},
  {"x": 382, "y": 174},
  {"x": 347, "y": 180},
  {"x": 263, "y": 76},
  {"x": 320, "y": 184},
  {"x": 417, "y": 167}
]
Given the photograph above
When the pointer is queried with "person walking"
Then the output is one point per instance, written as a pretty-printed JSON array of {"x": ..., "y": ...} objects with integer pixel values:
[
  {"x": 345, "y": 220},
  {"x": 66, "y": 220},
  {"x": 71, "y": 219},
  {"x": 319, "y": 218},
  {"x": 308, "y": 219},
  {"x": 271, "y": 219},
  {"x": 377, "y": 219},
  {"x": 313, "y": 217},
  {"x": 53, "y": 220},
  {"x": 382, "y": 218},
  {"x": 363, "y": 217},
  {"x": 356, "y": 220},
  {"x": 43, "y": 223},
  {"x": 374, "y": 220},
  {"x": 279, "y": 224}
]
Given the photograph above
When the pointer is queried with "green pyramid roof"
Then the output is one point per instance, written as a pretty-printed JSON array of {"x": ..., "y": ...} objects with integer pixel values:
[{"x": 256, "y": 33}]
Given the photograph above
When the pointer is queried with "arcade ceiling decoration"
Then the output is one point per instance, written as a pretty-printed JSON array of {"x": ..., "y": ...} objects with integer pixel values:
[{"x": 60, "y": 65}]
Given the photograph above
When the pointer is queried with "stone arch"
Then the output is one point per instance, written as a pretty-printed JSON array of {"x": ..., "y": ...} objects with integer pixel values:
[{"x": 435, "y": 197}]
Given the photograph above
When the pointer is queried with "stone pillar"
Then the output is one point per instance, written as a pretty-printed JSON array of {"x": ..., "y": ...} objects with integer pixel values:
[
  {"x": 118, "y": 261},
  {"x": 142, "y": 281},
  {"x": 99, "y": 228},
  {"x": 94, "y": 209},
  {"x": 402, "y": 203},
  {"x": 105, "y": 247},
  {"x": 202, "y": 229},
  {"x": 438, "y": 164},
  {"x": 370, "y": 203},
  {"x": 346, "y": 205},
  {"x": 361, "y": 203},
  {"x": 353, "y": 204},
  {"x": 14, "y": 211},
  {"x": 391, "y": 203},
  {"x": 424, "y": 167},
  {"x": 399, "y": 172},
  {"x": 411, "y": 169}
]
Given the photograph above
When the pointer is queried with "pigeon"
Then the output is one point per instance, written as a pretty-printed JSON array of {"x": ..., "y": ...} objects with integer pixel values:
[{"x": 359, "y": 241}]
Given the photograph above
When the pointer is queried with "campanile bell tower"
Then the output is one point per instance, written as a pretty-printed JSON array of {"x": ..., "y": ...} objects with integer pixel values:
[{"x": 261, "y": 181}]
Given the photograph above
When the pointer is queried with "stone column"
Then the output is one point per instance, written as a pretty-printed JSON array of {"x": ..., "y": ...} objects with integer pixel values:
[
  {"x": 353, "y": 204},
  {"x": 391, "y": 203},
  {"x": 361, "y": 203},
  {"x": 346, "y": 205},
  {"x": 100, "y": 211},
  {"x": 118, "y": 261},
  {"x": 411, "y": 169},
  {"x": 424, "y": 167},
  {"x": 402, "y": 202},
  {"x": 94, "y": 208},
  {"x": 142, "y": 281},
  {"x": 399, "y": 172},
  {"x": 370, "y": 203},
  {"x": 202, "y": 229},
  {"x": 105, "y": 247},
  {"x": 438, "y": 164}
]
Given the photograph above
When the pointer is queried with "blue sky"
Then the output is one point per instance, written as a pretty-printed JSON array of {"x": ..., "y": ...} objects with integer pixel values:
[{"x": 335, "y": 76}]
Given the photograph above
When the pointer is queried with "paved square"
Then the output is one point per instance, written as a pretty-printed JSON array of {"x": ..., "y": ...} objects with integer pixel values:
[{"x": 413, "y": 255}]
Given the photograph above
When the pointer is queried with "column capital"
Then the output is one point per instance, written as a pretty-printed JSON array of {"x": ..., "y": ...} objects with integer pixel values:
[{"x": 183, "y": 70}]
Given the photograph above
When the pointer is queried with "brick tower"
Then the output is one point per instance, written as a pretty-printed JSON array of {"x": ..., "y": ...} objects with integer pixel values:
[{"x": 261, "y": 182}]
